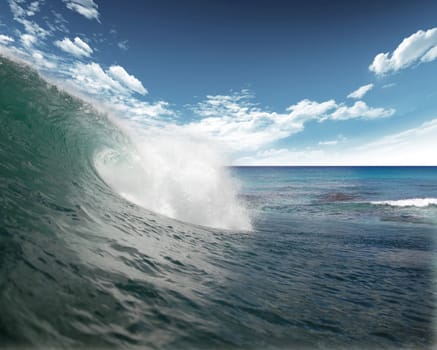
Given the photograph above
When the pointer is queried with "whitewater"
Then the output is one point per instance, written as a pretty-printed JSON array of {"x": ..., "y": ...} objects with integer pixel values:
[
  {"x": 412, "y": 202},
  {"x": 112, "y": 236}
]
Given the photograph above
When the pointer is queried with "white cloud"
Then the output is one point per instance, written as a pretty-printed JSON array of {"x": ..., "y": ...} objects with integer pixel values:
[
  {"x": 283, "y": 156},
  {"x": 94, "y": 84},
  {"x": 17, "y": 10},
  {"x": 360, "y": 92},
  {"x": 307, "y": 110},
  {"x": 77, "y": 47},
  {"x": 414, "y": 146},
  {"x": 140, "y": 111},
  {"x": 115, "y": 94},
  {"x": 34, "y": 29},
  {"x": 14, "y": 53},
  {"x": 87, "y": 8},
  {"x": 431, "y": 55},
  {"x": 328, "y": 143},
  {"x": 28, "y": 54},
  {"x": 241, "y": 125},
  {"x": 4, "y": 39},
  {"x": 20, "y": 13},
  {"x": 238, "y": 123},
  {"x": 92, "y": 77},
  {"x": 59, "y": 23},
  {"x": 428, "y": 128},
  {"x": 110, "y": 90},
  {"x": 132, "y": 83},
  {"x": 340, "y": 139},
  {"x": 389, "y": 85},
  {"x": 115, "y": 81},
  {"x": 234, "y": 120},
  {"x": 28, "y": 40},
  {"x": 123, "y": 45},
  {"x": 360, "y": 110},
  {"x": 42, "y": 61},
  {"x": 33, "y": 8},
  {"x": 418, "y": 47}
]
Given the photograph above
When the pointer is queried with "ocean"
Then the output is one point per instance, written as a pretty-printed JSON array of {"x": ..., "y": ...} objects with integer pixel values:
[{"x": 298, "y": 258}]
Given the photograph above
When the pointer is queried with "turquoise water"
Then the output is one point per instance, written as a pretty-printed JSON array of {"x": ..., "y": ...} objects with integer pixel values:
[{"x": 336, "y": 257}]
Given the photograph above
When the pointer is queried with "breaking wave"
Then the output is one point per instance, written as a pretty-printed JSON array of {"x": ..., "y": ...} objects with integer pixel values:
[{"x": 412, "y": 202}]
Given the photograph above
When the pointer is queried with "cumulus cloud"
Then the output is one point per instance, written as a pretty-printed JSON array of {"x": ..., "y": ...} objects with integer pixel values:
[
  {"x": 306, "y": 110},
  {"x": 94, "y": 78},
  {"x": 87, "y": 8},
  {"x": 76, "y": 48},
  {"x": 4, "y": 39},
  {"x": 113, "y": 81},
  {"x": 360, "y": 92},
  {"x": 240, "y": 124},
  {"x": 418, "y": 47},
  {"x": 132, "y": 83}
]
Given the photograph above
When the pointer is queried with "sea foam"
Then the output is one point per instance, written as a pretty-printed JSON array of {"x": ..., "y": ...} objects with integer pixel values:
[
  {"x": 177, "y": 176},
  {"x": 413, "y": 202}
]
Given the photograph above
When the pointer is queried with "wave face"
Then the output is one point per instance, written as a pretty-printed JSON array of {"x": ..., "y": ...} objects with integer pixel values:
[
  {"x": 76, "y": 258},
  {"x": 413, "y": 202}
]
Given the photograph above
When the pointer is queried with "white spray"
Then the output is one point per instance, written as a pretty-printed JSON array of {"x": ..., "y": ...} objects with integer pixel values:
[{"x": 177, "y": 176}]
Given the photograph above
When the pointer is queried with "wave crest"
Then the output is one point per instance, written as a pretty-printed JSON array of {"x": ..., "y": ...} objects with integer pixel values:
[{"x": 412, "y": 202}]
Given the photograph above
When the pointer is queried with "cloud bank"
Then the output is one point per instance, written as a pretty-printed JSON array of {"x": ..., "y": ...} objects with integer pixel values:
[
  {"x": 415, "y": 146},
  {"x": 238, "y": 123}
]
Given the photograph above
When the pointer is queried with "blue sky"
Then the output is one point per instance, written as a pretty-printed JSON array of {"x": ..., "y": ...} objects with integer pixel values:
[{"x": 271, "y": 82}]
